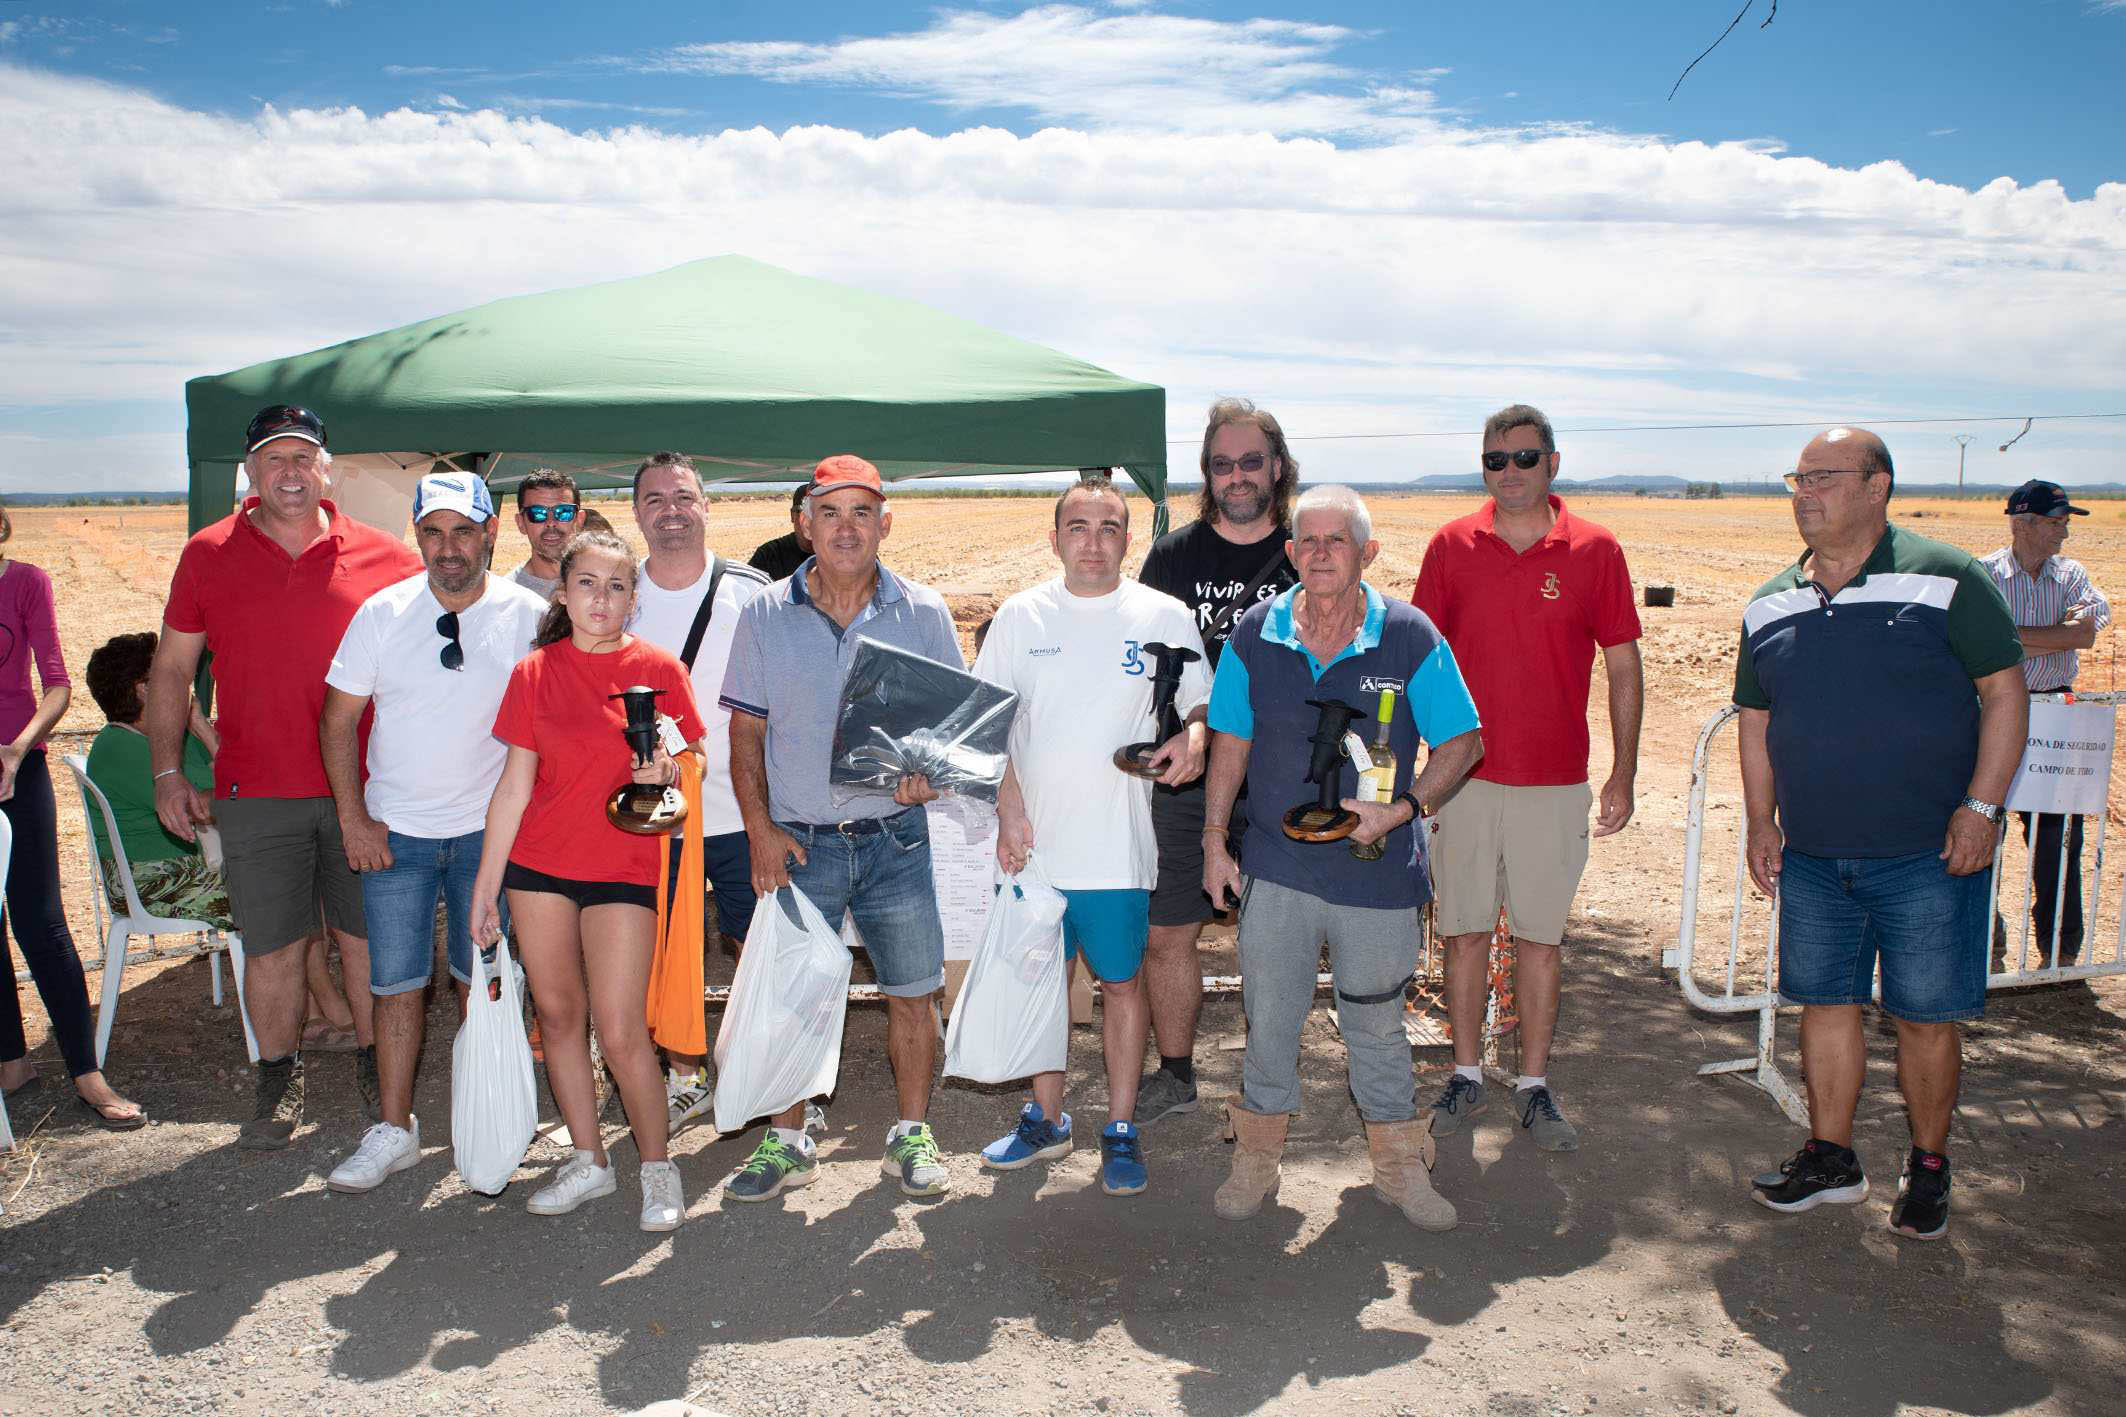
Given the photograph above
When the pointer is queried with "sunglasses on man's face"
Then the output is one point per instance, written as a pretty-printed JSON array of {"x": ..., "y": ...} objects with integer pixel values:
[
  {"x": 453, "y": 655},
  {"x": 1523, "y": 458},
  {"x": 1246, "y": 462},
  {"x": 557, "y": 512}
]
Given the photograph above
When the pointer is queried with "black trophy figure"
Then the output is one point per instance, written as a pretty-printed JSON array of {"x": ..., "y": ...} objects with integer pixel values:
[
  {"x": 1325, "y": 819},
  {"x": 638, "y": 807},
  {"x": 1167, "y": 663}
]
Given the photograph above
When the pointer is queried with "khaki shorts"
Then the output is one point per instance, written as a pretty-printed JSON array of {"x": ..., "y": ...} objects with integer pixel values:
[
  {"x": 284, "y": 861},
  {"x": 1522, "y": 848}
]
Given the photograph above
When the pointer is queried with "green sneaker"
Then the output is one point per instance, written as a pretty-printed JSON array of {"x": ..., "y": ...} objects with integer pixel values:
[
  {"x": 774, "y": 1166},
  {"x": 912, "y": 1159}
]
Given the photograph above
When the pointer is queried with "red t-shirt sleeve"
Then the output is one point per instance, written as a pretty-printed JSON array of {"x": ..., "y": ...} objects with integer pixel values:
[
  {"x": 1616, "y": 618},
  {"x": 1430, "y": 593},
  {"x": 183, "y": 613},
  {"x": 513, "y": 721}
]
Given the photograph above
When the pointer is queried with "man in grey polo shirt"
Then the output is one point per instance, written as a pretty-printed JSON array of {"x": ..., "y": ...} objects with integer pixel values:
[{"x": 868, "y": 858}]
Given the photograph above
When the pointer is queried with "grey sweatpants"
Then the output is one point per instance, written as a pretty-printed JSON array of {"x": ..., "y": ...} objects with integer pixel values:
[{"x": 1370, "y": 952}]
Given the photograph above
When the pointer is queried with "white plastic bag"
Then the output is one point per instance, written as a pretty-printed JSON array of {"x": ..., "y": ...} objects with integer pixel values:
[
  {"x": 1012, "y": 1019},
  {"x": 494, "y": 1107},
  {"x": 781, "y": 1037}
]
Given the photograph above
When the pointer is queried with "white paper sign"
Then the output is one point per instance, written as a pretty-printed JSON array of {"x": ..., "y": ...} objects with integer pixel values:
[
  {"x": 963, "y": 863},
  {"x": 2067, "y": 765}
]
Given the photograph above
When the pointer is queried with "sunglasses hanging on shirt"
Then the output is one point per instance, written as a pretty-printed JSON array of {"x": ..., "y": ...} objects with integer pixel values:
[{"x": 453, "y": 655}]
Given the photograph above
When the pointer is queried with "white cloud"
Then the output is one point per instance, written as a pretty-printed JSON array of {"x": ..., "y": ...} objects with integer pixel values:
[
  {"x": 444, "y": 100},
  {"x": 1068, "y": 64},
  {"x": 1941, "y": 132},
  {"x": 1403, "y": 286}
]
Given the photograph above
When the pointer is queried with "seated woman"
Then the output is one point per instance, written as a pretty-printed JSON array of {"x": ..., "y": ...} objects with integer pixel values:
[{"x": 172, "y": 875}]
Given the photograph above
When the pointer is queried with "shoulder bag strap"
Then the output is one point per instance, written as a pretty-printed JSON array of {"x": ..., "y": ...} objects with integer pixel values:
[{"x": 703, "y": 615}]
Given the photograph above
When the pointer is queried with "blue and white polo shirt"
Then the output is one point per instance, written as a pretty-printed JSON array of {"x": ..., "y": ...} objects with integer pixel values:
[{"x": 1874, "y": 723}]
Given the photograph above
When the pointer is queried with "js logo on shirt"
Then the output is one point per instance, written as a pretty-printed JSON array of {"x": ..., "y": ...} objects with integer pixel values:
[
  {"x": 1132, "y": 657},
  {"x": 1550, "y": 589}
]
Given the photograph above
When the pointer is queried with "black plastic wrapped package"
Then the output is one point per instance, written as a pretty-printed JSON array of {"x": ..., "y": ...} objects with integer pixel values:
[{"x": 903, "y": 715}]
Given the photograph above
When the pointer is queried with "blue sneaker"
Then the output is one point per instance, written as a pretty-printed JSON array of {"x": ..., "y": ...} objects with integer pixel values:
[
  {"x": 1034, "y": 1139},
  {"x": 1122, "y": 1170}
]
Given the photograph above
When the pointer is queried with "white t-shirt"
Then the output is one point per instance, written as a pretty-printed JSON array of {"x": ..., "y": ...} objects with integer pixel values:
[
  {"x": 433, "y": 755},
  {"x": 1085, "y": 689},
  {"x": 665, "y": 618}
]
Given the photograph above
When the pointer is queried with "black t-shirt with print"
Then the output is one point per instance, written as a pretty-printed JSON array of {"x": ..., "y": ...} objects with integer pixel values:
[{"x": 1207, "y": 573}]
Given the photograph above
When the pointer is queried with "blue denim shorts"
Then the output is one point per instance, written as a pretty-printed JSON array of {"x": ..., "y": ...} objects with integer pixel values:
[
  {"x": 878, "y": 872},
  {"x": 400, "y": 904},
  {"x": 1110, "y": 929},
  {"x": 1929, "y": 928}
]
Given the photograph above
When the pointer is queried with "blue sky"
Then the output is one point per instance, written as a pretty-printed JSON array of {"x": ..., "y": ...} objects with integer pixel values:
[{"x": 1902, "y": 210}]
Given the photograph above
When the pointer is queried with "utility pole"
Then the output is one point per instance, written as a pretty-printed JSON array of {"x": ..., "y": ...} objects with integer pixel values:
[{"x": 1963, "y": 441}]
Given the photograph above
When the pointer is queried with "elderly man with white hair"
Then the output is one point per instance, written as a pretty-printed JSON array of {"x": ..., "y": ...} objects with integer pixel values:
[{"x": 1331, "y": 638}]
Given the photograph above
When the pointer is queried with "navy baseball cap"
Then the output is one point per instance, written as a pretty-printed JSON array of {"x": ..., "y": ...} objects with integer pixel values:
[
  {"x": 2043, "y": 499},
  {"x": 283, "y": 420}
]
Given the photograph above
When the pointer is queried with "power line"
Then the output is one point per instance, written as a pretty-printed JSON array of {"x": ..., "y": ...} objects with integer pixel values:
[{"x": 1692, "y": 427}]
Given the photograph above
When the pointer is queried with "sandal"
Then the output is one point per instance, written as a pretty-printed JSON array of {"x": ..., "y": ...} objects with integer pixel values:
[
  {"x": 322, "y": 1037},
  {"x": 25, "y": 1088},
  {"x": 105, "y": 1120}
]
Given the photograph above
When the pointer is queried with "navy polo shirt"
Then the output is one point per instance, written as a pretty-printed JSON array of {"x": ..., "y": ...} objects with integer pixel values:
[
  {"x": 1265, "y": 678},
  {"x": 1874, "y": 723}
]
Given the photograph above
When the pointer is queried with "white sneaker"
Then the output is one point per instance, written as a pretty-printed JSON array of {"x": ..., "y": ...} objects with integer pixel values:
[
  {"x": 384, "y": 1149},
  {"x": 686, "y": 1096},
  {"x": 580, "y": 1180},
  {"x": 663, "y": 1207}
]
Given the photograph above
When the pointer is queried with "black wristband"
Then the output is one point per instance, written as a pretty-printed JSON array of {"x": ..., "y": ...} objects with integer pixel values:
[{"x": 1417, "y": 808}]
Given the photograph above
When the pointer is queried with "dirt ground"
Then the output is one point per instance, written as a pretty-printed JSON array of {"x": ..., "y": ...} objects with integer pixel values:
[{"x": 165, "y": 1271}]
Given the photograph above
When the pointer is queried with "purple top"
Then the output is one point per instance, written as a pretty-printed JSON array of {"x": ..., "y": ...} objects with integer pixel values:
[{"x": 27, "y": 629}]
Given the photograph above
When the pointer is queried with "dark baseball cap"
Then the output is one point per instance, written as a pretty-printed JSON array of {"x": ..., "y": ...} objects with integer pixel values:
[
  {"x": 283, "y": 420},
  {"x": 2043, "y": 499}
]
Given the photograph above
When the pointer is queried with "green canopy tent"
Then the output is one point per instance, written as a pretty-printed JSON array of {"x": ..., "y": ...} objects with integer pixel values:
[{"x": 756, "y": 372}]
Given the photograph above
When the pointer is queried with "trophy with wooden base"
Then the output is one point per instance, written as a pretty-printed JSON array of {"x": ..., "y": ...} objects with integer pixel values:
[
  {"x": 1167, "y": 663},
  {"x": 1325, "y": 818},
  {"x": 640, "y": 807}
]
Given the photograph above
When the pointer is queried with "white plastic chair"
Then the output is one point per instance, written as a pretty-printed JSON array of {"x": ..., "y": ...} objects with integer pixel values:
[{"x": 137, "y": 921}]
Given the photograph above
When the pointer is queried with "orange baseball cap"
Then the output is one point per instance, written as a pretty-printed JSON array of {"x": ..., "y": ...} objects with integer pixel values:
[{"x": 845, "y": 470}]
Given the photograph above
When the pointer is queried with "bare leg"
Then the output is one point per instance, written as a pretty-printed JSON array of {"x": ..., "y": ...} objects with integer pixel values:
[
  {"x": 1536, "y": 974},
  {"x": 1929, "y": 1067},
  {"x": 1048, "y": 1093},
  {"x": 552, "y": 955},
  {"x": 618, "y": 942},
  {"x": 1468, "y": 981},
  {"x": 354, "y": 975},
  {"x": 912, "y": 1045},
  {"x": 274, "y": 991},
  {"x": 1174, "y": 979},
  {"x": 1835, "y": 1057},
  {"x": 1125, "y": 1019},
  {"x": 399, "y": 1023},
  {"x": 326, "y": 1000}
]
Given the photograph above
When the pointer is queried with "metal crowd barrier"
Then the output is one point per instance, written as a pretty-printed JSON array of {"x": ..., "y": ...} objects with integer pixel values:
[{"x": 1756, "y": 991}]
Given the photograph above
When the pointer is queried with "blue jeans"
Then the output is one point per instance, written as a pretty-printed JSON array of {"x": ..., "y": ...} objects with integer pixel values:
[
  {"x": 1929, "y": 928},
  {"x": 881, "y": 876},
  {"x": 400, "y": 904}
]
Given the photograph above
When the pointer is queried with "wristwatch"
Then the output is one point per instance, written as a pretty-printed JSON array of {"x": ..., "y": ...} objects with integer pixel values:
[
  {"x": 1417, "y": 808},
  {"x": 1991, "y": 811}
]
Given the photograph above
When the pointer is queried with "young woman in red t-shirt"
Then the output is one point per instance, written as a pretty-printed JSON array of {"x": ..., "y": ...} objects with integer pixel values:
[{"x": 582, "y": 892}]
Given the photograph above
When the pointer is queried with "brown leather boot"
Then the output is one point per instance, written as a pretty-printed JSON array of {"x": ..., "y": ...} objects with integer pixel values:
[
  {"x": 1258, "y": 1143},
  {"x": 1402, "y": 1175}
]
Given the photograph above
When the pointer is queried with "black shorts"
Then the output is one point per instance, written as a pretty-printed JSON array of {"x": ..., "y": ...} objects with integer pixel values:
[
  {"x": 584, "y": 893},
  {"x": 1177, "y": 827}
]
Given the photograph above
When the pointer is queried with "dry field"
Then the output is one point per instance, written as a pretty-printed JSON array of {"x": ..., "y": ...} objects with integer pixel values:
[{"x": 177, "y": 1274}]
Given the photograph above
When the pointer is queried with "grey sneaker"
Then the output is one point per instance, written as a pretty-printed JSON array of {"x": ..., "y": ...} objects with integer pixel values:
[
  {"x": 774, "y": 1167},
  {"x": 1462, "y": 1100},
  {"x": 1161, "y": 1094},
  {"x": 1542, "y": 1120},
  {"x": 365, "y": 1082},
  {"x": 279, "y": 1108}
]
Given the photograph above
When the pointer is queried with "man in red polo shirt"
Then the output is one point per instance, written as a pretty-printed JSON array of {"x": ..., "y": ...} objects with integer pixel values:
[
  {"x": 270, "y": 589},
  {"x": 1524, "y": 592}
]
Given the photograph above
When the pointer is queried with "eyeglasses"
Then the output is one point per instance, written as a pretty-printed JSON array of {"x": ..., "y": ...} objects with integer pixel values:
[
  {"x": 1246, "y": 462},
  {"x": 1816, "y": 479},
  {"x": 1522, "y": 458},
  {"x": 558, "y": 512},
  {"x": 453, "y": 655}
]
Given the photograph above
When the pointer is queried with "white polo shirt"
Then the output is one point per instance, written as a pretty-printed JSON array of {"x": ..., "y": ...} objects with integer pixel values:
[{"x": 433, "y": 756}]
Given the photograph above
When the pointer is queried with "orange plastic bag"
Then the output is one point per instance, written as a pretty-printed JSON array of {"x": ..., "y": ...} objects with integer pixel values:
[{"x": 675, "y": 1005}]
